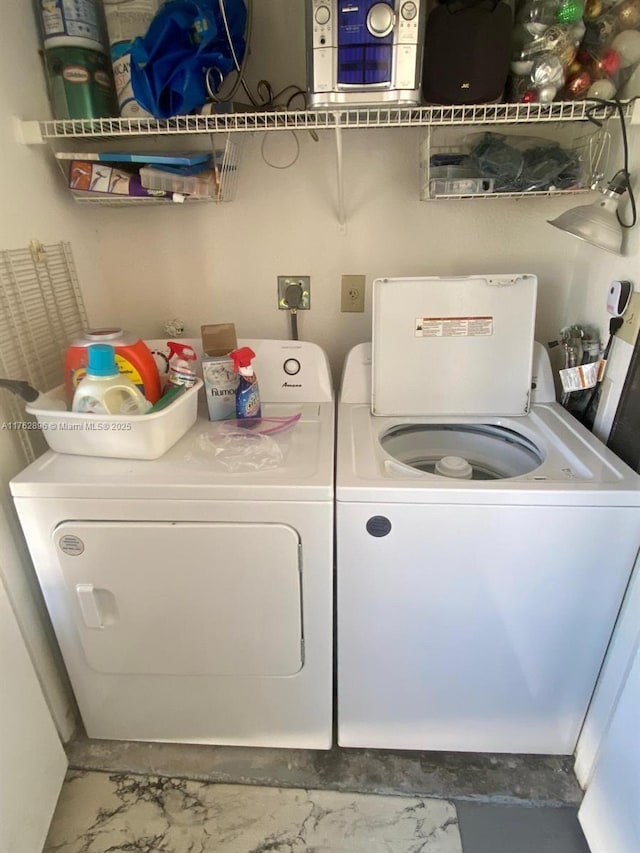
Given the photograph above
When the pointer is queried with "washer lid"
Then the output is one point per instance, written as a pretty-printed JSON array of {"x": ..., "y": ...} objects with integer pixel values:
[{"x": 453, "y": 346}]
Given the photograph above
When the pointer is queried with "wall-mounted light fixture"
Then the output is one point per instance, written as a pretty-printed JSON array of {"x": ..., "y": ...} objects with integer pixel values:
[{"x": 599, "y": 223}]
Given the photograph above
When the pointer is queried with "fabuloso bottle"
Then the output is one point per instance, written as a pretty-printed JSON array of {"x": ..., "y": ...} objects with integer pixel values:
[
  {"x": 247, "y": 393},
  {"x": 104, "y": 390}
]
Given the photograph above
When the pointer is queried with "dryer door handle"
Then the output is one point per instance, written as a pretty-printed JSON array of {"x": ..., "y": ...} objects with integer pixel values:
[{"x": 88, "y": 602}]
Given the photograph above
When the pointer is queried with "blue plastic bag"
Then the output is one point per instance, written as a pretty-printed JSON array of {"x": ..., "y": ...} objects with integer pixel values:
[{"x": 185, "y": 40}]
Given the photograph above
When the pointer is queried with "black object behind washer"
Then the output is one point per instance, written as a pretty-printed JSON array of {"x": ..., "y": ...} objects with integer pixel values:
[
  {"x": 467, "y": 51},
  {"x": 624, "y": 438}
]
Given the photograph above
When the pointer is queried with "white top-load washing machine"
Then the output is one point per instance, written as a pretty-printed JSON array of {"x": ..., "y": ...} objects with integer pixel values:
[
  {"x": 484, "y": 537},
  {"x": 191, "y": 595}
]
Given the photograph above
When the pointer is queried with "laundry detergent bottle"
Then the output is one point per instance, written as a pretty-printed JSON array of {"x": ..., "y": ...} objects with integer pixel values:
[
  {"x": 247, "y": 393},
  {"x": 104, "y": 390},
  {"x": 133, "y": 358}
]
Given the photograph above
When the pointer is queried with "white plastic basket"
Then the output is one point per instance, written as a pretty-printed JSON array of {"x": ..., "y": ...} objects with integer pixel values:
[{"x": 118, "y": 436}]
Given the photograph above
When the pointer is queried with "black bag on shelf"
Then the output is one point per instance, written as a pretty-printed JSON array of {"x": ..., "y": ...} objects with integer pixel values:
[{"x": 467, "y": 50}]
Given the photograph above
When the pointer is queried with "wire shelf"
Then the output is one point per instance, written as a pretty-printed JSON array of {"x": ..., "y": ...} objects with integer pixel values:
[
  {"x": 226, "y": 168},
  {"x": 135, "y": 201},
  {"x": 275, "y": 120},
  {"x": 449, "y": 169},
  {"x": 528, "y": 194}
]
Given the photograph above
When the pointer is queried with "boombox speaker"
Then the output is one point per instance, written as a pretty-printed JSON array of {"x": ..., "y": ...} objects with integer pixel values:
[{"x": 467, "y": 51}]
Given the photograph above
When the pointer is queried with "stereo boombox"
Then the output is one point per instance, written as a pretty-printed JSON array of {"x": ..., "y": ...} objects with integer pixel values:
[
  {"x": 368, "y": 52},
  {"x": 364, "y": 51}
]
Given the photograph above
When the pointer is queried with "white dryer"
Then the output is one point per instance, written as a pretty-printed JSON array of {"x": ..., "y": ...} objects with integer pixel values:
[
  {"x": 484, "y": 537},
  {"x": 191, "y": 595}
]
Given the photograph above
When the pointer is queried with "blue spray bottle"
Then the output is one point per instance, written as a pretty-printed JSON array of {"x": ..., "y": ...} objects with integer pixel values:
[{"x": 247, "y": 393}]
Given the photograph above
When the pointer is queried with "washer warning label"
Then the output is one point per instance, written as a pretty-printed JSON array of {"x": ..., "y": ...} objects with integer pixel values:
[{"x": 453, "y": 327}]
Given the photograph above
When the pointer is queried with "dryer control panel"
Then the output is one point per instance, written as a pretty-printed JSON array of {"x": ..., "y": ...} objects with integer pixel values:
[
  {"x": 292, "y": 372},
  {"x": 287, "y": 371}
]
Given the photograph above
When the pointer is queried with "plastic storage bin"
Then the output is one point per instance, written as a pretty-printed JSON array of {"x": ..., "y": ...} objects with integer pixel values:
[
  {"x": 460, "y": 186},
  {"x": 202, "y": 185},
  {"x": 118, "y": 436}
]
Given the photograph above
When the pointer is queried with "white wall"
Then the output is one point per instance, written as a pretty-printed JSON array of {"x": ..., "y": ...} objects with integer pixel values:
[{"x": 219, "y": 263}]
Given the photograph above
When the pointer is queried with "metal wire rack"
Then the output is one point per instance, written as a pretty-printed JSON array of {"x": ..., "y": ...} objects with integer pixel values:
[
  {"x": 276, "y": 120},
  {"x": 41, "y": 311},
  {"x": 581, "y": 141},
  {"x": 236, "y": 124},
  {"x": 226, "y": 149}
]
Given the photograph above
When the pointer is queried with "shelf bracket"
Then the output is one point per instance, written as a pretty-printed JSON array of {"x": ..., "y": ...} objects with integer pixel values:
[
  {"x": 342, "y": 224},
  {"x": 27, "y": 132}
]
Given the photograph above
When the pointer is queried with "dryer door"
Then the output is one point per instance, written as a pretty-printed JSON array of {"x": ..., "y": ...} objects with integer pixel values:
[{"x": 184, "y": 598}]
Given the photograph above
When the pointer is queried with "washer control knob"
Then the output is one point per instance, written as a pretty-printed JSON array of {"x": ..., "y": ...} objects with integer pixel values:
[
  {"x": 380, "y": 20},
  {"x": 378, "y": 525},
  {"x": 291, "y": 366},
  {"x": 409, "y": 10},
  {"x": 323, "y": 15}
]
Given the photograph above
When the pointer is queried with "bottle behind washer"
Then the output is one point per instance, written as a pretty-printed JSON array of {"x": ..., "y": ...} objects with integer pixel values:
[{"x": 104, "y": 390}]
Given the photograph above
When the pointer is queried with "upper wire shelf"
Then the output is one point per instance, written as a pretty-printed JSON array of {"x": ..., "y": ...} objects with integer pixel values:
[{"x": 365, "y": 117}]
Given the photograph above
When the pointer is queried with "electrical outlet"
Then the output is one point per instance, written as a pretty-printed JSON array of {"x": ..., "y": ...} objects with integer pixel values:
[
  {"x": 352, "y": 292},
  {"x": 631, "y": 321},
  {"x": 305, "y": 283}
]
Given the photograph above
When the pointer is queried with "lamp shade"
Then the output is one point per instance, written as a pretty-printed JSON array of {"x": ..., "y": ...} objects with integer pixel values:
[{"x": 596, "y": 223}]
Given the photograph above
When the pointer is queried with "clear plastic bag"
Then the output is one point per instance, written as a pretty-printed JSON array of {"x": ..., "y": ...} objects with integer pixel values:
[
  {"x": 246, "y": 445},
  {"x": 524, "y": 163}
]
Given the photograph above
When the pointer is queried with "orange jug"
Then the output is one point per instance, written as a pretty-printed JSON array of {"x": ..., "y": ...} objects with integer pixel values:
[{"x": 133, "y": 358}]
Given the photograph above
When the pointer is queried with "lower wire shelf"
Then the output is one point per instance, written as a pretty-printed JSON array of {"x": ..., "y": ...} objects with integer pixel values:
[
  {"x": 87, "y": 168},
  {"x": 137, "y": 201},
  {"x": 532, "y": 194}
]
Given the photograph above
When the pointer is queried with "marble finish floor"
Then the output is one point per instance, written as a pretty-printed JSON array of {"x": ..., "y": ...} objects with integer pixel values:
[
  {"x": 538, "y": 780},
  {"x": 105, "y": 813}
]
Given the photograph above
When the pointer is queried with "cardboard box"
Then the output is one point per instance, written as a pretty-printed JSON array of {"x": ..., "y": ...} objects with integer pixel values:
[
  {"x": 219, "y": 338},
  {"x": 220, "y": 381}
]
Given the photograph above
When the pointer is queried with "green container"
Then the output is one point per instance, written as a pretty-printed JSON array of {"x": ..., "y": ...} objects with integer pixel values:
[{"x": 80, "y": 83}]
